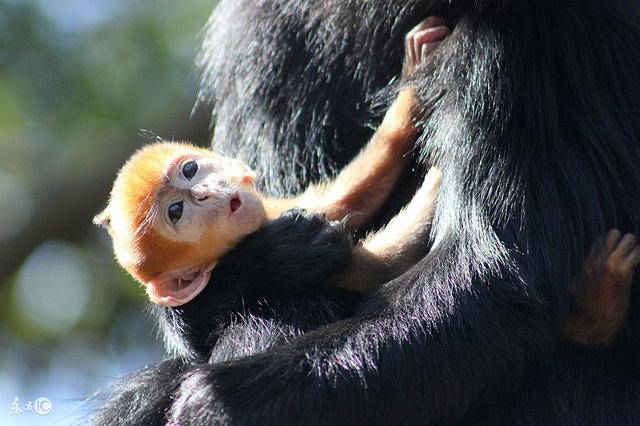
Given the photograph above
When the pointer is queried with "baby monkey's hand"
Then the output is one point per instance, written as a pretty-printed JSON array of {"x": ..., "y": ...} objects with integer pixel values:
[{"x": 423, "y": 39}]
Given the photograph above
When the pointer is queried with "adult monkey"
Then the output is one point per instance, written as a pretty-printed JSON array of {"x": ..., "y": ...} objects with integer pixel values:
[{"x": 535, "y": 124}]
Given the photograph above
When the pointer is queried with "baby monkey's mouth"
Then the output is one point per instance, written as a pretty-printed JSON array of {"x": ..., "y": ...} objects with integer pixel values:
[{"x": 235, "y": 202}]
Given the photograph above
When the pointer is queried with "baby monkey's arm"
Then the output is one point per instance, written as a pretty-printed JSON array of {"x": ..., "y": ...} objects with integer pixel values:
[
  {"x": 365, "y": 184},
  {"x": 603, "y": 303}
]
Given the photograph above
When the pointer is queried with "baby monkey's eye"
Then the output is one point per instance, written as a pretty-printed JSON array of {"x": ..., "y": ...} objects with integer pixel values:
[
  {"x": 175, "y": 211},
  {"x": 189, "y": 169}
]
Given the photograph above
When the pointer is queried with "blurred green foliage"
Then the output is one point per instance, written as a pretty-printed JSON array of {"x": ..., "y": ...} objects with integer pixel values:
[{"x": 79, "y": 79}]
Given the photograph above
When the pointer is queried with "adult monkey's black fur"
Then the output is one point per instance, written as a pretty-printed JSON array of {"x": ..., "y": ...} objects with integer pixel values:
[{"x": 535, "y": 123}]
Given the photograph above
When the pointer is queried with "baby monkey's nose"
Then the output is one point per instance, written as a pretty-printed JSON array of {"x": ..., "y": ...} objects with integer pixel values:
[
  {"x": 204, "y": 192},
  {"x": 201, "y": 192},
  {"x": 209, "y": 190}
]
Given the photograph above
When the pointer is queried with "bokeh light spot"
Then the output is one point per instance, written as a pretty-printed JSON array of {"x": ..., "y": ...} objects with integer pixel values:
[{"x": 52, "y": 287}]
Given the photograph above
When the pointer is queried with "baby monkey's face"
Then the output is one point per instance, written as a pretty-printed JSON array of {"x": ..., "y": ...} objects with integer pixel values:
[
  {"x": 207, "y": 203},
  {"x": 209, "y": 200},
  {"x": 174, "y": 211}
]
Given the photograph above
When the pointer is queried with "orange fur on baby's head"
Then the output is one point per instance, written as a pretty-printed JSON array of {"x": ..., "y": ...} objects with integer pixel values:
[{"x": 139, "y": 247}]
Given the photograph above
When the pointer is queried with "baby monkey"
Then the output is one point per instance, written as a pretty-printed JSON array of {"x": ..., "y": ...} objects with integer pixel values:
[{"x": 176, "y": 209}]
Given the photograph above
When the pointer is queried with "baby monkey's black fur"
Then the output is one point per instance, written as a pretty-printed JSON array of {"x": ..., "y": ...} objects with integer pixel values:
[{"x": 291, "y": 255}]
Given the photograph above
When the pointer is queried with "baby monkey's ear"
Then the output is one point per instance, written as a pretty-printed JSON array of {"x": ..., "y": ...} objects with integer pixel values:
[{"x": 103, "y": 219}]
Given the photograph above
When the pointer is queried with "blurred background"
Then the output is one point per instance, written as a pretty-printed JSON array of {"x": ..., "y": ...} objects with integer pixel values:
[{"x": 83, "y": 83}]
